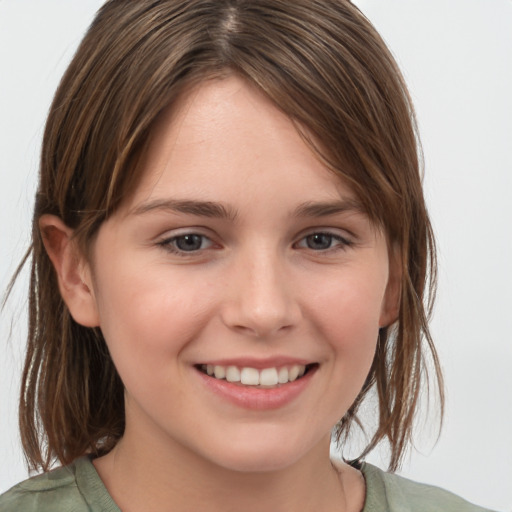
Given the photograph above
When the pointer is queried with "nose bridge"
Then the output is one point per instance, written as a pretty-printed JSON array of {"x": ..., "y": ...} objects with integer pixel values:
[{"x": 262, "y": 300}]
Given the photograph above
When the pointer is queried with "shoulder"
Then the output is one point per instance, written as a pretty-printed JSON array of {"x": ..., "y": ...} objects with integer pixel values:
[
  {"x": 45, "y": 492},
  {"x": 76, "y": 488},
  {"x": 401, "y": 494}
]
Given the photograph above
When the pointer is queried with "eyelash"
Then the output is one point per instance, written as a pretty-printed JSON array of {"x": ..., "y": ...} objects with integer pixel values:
[
  {"x": 343, "y": 243},
  {"x": 169, "y": 244}
]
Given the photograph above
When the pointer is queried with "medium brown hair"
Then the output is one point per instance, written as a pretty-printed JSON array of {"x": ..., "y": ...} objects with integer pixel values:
[{"x": 324, "y": 65}]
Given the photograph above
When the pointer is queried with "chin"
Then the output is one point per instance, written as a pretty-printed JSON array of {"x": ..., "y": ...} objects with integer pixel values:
[
  {"x": 257, "y": 462},
  {"x": 263, "y": 452}
]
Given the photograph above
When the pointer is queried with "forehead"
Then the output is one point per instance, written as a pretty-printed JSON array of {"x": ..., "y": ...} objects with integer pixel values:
[{"x": 225, "y": 138}]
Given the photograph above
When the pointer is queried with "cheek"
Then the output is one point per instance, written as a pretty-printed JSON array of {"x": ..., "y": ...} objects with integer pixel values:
[
  {"x": 348, "y": 310},
  {"x": 148, "y": 317},
  {"x": 346, "y": 318}
]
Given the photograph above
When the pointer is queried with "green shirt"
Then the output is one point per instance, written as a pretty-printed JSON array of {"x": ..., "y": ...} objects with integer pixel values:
[{"x": 78, "y": 488}]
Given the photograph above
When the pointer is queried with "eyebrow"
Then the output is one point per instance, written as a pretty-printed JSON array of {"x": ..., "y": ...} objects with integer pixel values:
[
  {"x": 218, "y": 210},
  {"x": 191, "y": 207},
  {"x": 325, "y": 209}
]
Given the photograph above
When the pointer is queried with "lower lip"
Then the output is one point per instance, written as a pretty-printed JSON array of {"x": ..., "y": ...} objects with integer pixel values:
[{"x": 258, "y": 398}]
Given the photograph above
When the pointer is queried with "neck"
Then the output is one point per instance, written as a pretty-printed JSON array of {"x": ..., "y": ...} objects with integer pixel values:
[{"x": 174, "y": 478}]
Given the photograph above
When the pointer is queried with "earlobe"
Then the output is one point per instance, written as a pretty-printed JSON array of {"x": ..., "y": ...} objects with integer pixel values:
[
  {"x": 72, "y": 270},
  {"x": 392, "y": 298}
]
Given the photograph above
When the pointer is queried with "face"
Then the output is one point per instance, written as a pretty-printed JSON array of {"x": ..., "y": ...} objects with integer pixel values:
[{"x": 241, "y": 288}]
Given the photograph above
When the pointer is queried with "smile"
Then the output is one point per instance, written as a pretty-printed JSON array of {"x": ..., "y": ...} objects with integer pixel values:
[
  {"x": 257, "y": 386},
  {"x": 247, "y": 376}
]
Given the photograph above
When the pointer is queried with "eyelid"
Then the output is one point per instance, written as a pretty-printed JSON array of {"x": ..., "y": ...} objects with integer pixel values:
[
  {"x": 168, "y": 234},
  {"x": 345, "y": 241},
  {"x": 167, "y": 240}
]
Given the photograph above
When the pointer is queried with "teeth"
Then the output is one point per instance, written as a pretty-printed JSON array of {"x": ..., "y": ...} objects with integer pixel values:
[
  {"x": 252, "y": 377},
  {"x": 219, "y": 372},
  {"x": 269, "y": 377},
  {"x": 282, "y": 376},
  {"x": 293, "y": 373},
  {"x": 232, "y": 374}
]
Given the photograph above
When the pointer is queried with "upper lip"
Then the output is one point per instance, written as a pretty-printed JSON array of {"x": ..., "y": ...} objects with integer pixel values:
[{"x": 258, "y": 363}]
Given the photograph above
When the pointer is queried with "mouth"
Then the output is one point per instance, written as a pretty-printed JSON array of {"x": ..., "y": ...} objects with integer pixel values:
[{"x": 264, "y": 378}]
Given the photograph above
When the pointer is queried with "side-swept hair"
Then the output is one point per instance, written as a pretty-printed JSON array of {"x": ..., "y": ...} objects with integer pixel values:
[{"x": 323, "y": 64}]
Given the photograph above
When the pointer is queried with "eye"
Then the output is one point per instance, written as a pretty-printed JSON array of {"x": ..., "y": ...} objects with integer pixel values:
[
  {"x": 186, "y": 243},
  {"x": 323, "y": 242}
]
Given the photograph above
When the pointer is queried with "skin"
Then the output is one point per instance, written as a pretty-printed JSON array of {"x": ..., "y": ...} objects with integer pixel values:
[{"x": 259, "y": 285}]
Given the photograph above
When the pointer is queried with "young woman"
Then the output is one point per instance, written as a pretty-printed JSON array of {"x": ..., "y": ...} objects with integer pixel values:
[{"x": 230, "y": 252}]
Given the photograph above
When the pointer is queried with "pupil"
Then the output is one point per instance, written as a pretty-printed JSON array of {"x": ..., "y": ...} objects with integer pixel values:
[
  {"x": 319, "y": 241},
  {"x": 189, "y": 242}
]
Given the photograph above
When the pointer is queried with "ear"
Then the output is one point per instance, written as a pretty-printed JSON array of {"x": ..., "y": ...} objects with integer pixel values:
[
  {"x": 73, "y": 271},
  {"x": 391, "y": 302}
]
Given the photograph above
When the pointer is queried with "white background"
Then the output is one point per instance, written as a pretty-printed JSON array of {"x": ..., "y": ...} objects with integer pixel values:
[{"x": 457, "y": 59}]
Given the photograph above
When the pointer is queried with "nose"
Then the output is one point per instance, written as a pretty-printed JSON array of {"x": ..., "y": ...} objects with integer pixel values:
[{"x": 261, "y": 301}]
